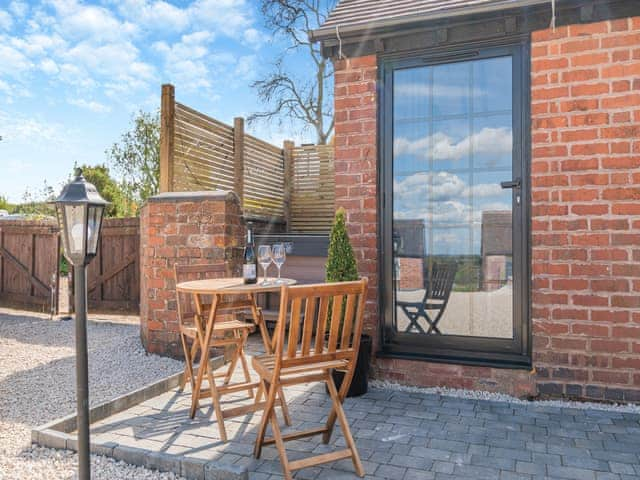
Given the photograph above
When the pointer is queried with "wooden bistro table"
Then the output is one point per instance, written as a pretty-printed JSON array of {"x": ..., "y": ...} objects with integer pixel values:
[{"x": 219, "y": 289}]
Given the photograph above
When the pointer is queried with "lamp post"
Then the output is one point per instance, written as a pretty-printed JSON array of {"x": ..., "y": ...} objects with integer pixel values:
[{"x": 79, "y": 209}]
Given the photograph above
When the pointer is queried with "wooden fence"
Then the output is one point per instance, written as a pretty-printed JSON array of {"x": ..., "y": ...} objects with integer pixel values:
[
  {"x": 113, "y": 277},
  {"x": 29, "y": 254},
  {"x": 312, "y": 188},
  {"x": 289, "y": 184}
]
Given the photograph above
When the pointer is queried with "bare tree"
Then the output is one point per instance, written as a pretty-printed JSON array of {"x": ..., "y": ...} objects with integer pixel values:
[{"x": 303, "y": 97}]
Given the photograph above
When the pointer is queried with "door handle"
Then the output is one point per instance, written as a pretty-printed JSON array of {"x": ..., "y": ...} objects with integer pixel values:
[{"x": 515, "y": 183}]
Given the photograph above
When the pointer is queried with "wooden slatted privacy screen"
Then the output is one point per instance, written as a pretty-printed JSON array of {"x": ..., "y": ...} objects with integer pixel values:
[
  {"x": 203, "y": 152},
  {"x": 290, "y": 184},
  {"x": 312, "y": 189},
  {"x": 263, "y": 178}
]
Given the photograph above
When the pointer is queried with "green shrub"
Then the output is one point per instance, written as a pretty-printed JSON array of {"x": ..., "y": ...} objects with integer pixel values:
[{"x": 341, "y": 262}]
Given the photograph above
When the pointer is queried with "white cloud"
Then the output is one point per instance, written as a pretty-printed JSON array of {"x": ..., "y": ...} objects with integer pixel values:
[
  {"x": 253, "y": 37},
  {"x": 92, "y": 105},
  {"x": 76, "y": 76},
  {"x": 441, "y": 146},
  {"x": 38, "y": 44},
  {"x": 19, "y": 9},
  {"x": 49, "y": 67},
  {"x": 16, "y": 128},
  {"x": 230, "y": 17},
  {"x": 444, "y": 197},
  {"x": 12, "y": 62},
  {"x": 186, "y": 62},
  {"x": 6, "y": 21},
  {"x": 75, "y": 20},
  {"x": 119, "y": 61},
  {"x": 155, "y": 15},
  {"x": 246, "y": 67}
]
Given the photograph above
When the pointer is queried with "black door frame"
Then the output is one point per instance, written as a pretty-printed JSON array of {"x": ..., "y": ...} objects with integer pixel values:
[{"x": 510, "y": 353}]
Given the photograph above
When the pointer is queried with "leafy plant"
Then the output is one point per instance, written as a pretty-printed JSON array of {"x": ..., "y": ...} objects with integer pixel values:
[
  {"x": 5, "y": 205},
  {"x": 341, "y": 262},
  {"x": 110, "y": 190},
  {"x": 136, "y": 158}
]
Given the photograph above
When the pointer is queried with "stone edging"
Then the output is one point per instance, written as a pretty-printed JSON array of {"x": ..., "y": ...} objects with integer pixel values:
[{"x": 57, "y": 434}]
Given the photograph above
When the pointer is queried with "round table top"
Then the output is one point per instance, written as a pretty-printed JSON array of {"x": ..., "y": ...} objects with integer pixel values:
[{"x": 231, "y": 286}]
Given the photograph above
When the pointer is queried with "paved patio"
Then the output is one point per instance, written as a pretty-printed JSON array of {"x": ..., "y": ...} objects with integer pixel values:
[{"x": 399, "y": 436}]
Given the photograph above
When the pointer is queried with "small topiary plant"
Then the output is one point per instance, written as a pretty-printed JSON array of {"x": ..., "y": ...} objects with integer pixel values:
[{"x": 341, "y": 262}]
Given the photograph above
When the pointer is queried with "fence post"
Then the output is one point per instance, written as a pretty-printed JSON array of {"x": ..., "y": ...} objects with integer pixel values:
[
  {"x": 287, "y": 153},
  {"x": 238, "y": 158},
  {"x": 167, "y": 135}
]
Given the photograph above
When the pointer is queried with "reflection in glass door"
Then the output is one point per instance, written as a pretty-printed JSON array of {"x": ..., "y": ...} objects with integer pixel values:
[{"x": 453, "y": 194}]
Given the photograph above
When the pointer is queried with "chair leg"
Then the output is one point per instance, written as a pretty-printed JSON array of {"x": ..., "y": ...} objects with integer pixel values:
[
  {"x": 331, "y": 420},
  {"x": 277, "y": 436},
  {"x": 259, "y": 393},
  {"x": 188, "y": 367},
  {"x": 270, "y": 392},
  {"x": 233, "y": 362},
  {"x": 283, "y": 405},
  {"x": 215, "y": 398},
  {"x": 344, "y": 424},
  {"x": 195, "y": 347},
  {"x": 243, "y": 360}
]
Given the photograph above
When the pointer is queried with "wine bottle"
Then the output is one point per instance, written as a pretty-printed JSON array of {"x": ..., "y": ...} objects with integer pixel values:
[{"x": 250, "y": 260}]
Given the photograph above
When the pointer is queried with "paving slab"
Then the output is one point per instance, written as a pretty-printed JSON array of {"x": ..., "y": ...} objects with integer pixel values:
[{"x": 399, "y": 436}]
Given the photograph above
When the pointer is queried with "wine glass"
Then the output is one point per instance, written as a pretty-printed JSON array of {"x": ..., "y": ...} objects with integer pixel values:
[
  {"x": 278, "y": 255},
  {"x": 264, "y": 257}
]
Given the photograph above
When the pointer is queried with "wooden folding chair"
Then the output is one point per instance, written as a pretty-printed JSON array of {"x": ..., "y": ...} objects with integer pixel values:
[
  {"x": 303, "y": 358},
  {"x": 227, "y": 331}
]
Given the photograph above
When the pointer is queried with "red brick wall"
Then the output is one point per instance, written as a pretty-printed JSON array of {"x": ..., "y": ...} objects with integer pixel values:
[
  {"x": 586, "y": 209},
  {"x": 356, "y": 167},
  {"x": 200, "y": 227},
  {"x": 586, "y": 214},
  {"x": 411, "y": 275}
]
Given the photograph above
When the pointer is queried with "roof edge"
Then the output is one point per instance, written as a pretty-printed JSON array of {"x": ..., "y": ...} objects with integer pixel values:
[{"x": 329, "y": 33}]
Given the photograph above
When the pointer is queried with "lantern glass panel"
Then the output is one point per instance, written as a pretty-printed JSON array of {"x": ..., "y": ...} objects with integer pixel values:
[
  {"x": 93, "y": 228},
  {"x": 76, "y": 219}
]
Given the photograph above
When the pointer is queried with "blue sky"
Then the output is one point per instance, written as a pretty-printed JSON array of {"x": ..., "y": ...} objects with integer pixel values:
[{"x": 73, "y": 73}]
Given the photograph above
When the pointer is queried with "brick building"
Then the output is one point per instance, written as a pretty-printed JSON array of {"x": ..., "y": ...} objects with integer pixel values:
[{"x": 451, "y": 112}]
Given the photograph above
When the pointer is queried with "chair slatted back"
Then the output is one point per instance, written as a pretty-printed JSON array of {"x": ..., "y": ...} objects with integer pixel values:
[
  {"x": 439, "y": 280},
  {"x": 186, "y": 273},
  {"x": 333, "y": 313}
]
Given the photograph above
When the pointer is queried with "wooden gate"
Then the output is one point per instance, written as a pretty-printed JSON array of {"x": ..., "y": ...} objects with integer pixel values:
[
  {"x": 113, "y": 277},
  {"x": 29, "y": 263}
]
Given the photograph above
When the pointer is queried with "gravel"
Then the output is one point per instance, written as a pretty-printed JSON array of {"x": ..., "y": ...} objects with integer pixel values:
[
  {"x": 502, "y": 397},
  {"x": 37, "y": 385}
]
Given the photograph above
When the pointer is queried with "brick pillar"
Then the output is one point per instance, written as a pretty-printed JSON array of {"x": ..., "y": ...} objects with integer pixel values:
[
  {"x": 188, "y": 228},
  {"x": 355, "y": 168}
]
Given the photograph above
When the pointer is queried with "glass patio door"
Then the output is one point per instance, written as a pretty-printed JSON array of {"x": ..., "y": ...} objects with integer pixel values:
[{"x": 456, "y": 195}]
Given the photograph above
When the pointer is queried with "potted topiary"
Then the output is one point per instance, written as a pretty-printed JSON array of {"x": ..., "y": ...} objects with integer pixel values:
[{"x": 341, "y": 267}]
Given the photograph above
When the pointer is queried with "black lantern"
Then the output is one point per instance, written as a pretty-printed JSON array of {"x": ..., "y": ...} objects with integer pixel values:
[{"x": 80, "y": 209}]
